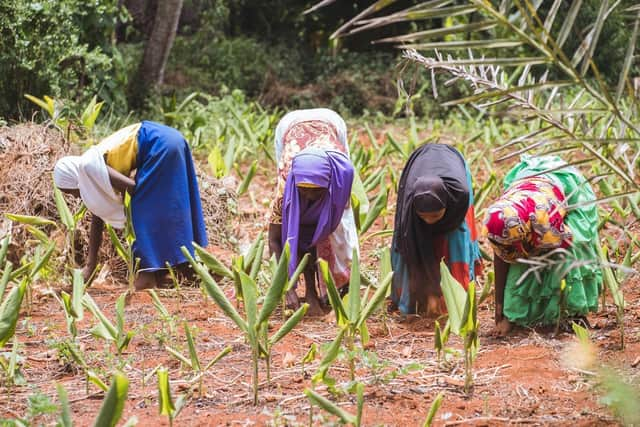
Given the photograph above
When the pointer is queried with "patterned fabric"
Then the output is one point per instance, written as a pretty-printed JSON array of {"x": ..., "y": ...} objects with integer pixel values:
[
  {"x": 337, "y": 249},
  {"x": 301, "y": 135},
  {"x": 532, "y": 299},
  {"x": 528, "y": 220}
]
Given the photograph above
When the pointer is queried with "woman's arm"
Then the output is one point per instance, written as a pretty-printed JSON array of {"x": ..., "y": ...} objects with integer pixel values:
[
  {"x": 121, "y": 182},
  {"x": 275, "y": 239},
  {"x": 95, "y": 240},
  {"x": 501, "y": 269}
]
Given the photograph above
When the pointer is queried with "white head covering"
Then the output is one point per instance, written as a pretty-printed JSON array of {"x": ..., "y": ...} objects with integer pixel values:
[
  {"x": 65, "y": 173},
  {"x": 89, "y": 174}
]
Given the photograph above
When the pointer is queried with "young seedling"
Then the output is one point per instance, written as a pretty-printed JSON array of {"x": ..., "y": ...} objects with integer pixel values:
[
  {"x": 104, "y": 328},
  {"x": 113, "y": 403},
  {"x": 433, "y": 410},
  {"x": 72, "y": 304},
  {"x": 256, "y": 324},
  {"x": 125, "y": 251},
  {"x": 344, "y": 416},
  {"x": 166, "y": 405},
  {"x": 441, "y": 338},
  {"x": 463, "y": 318},
  {"x": 10, "y": 310},
  {"x": 310, "y": 356},
  {"x": 166, "y": 317},
  {"x": 10, "y": 364},
  {"x": 351, "y": 314},
  {"x": 193, "y": 362},
  {"x": 614, "y": 289}
]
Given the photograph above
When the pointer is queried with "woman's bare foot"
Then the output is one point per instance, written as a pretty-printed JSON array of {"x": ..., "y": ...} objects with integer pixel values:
[
  {"x": 292, "y": 300},
  {"x": 145, "y": 280},
  {"x": 503, "y": 327},
  {"x": 315, "y": 308}
]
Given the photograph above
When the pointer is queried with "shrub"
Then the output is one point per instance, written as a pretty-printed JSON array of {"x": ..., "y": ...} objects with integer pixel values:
[{"x": 57, "y": 48}]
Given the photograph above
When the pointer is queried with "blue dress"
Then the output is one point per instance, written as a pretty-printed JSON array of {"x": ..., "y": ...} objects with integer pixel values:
[{"x": 165, "y": 208}]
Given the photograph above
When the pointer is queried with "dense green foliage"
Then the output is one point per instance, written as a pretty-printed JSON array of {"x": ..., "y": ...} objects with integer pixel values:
[
  {"x": 269, "y": 50},
  {"x": 58, "y": 48}
]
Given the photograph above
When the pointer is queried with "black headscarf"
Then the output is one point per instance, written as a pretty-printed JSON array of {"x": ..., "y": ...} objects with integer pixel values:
[{"x": 434, "y": 177}]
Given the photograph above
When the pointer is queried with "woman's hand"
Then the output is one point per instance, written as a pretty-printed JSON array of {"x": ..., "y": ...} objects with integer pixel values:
[
  {"x": 275, "y": 239},
  {"x": 121, "y": 182}
]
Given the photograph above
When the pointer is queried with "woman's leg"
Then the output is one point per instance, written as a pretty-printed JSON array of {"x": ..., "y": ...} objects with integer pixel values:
[
  {"x": 311, "y": 292},
  {"x": 501, "y": 269},
  {"x": 145, "y": 280}
]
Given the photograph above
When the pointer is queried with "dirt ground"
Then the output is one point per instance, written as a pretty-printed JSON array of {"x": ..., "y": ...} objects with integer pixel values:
[{"x": 521, "y": 379}]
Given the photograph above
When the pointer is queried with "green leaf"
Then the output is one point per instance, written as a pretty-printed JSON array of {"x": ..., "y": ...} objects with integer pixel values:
[
  {"x": 278, "y": 285},
  {"x": 9, "y": 312},
  {"x": 47, "y": 104},
  {"x": 78, "y": 293},
  {"x": 179, "y": 356},
  {"x": 567, "y": 25},
  {"x": 220, "y": 355},
  {"x": 360, "y": 402},
  {"x": 63, "y": 209},
  {"x": 252, "y": 252},
  {"x": 216, "y": 163},
  {"x": 468, "y": 314},
  {"x": 379, "y": 204},
  {"x": 311, "y": 354},
  {"x": 437, "y": 341},
  {"x": 610, "y": 278},
  {"x": 165, "y": 405},
  {"x": 256, "y": 262},
  {"x": 244, "y": 185},
  {"x": 214, "y": 291},
  {"x": 298, "y": 271},
  {"x": 439, "y": 32},
  {"x": 114, "y": 401},
  {"x": 329, "y": 406},
  {"x": 581, "y": 332},
  {"x": 65, "y": 409},
  {"x": 329, "y": 357},
  {"x": 466, "y": 44},
  {"x": 90, "y": 114},
  {"x": 104, "y": 328},
  {"x": 358, "y": 192},
  {"x": 212, "y": 262},
  {"x": 250, "y": 299},
  {"x": 435, "y": 405},
  {"x": 158, "y": 304},
  {"x": 354, "y": 288},
  {"x": 117, "y": 244},
  {"x": 4, "y": 247},
  {"x": 94, "y": 378},
  {"x": 289, "y": 324},
  {"x": 41, "y": 262},
  {"x": 376, "y": 300},
  {"x": 332, "y": 292},
  {"x": 193, "y": 353},
  {"x": 4, "y": 279},
  {"x": 120, "y": 302},
  {"x": 38, "y": 234},
  {"x": 28, "y": 219},
  {"x": 454, "y": 297}
]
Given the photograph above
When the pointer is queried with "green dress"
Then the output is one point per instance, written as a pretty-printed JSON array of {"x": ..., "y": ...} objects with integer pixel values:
[{"x": 532, "y": 299}]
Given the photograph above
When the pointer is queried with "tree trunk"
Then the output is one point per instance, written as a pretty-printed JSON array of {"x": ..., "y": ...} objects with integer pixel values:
[{"x": 156, "y": 52}]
